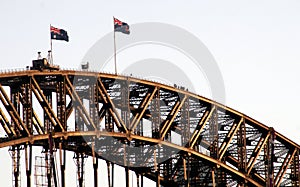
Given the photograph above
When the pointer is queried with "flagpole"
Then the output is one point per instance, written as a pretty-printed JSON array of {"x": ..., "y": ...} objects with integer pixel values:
[
  {"x": 51, "y": 47},
  {"x": 115, "y": 56}
]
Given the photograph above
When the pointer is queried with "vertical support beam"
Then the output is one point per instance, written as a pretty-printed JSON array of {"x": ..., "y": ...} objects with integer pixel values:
[
  {"x": 213, "y": 178},
  {"x": 27, "y": 107},
  {"x": 156, "y": 167},
  {"x": 28, "y": 163},
  {"x": 184, "y": 169},
  {"x": 113, "y": 174},
  {"x": 155, "y": 115},
  {"x": 188, "y": 171},
  {"x": 47, "y": 123},
  {"x": 157, "y": 178},
  {"x": 108, "y": 122},
  {"x": 220, "y": 177},
  {"x": 48, "y": 167},
  {"x": 95, "y": 165},
  {"x": 62, "y": 158},
  {"x": 137, "y": 179},
  {"x": 82, "y": 170},
  {"x": 78, "y": 119},
  {"x": 142, "y": 180},
  {"x": 79, "y": 159},
  {"x": 108, "y": 173},
  {"x": 53, "y": 168},
  {"x": 17, "y": 174},
  {"x": 295, "y": 173},
  {"x": 242, "y": 154},
  {"x": 93, "y": 103},
  {"x": 125, "y": 111},
  {"x": 127, "y": 176},
  {"x": 269, "y": 158},
  {"x": 185, "y": 122},
  {"x": 61, "y": 103},
  {"x": 15, "y": 155},
  {"x": 213, "y": 135}
]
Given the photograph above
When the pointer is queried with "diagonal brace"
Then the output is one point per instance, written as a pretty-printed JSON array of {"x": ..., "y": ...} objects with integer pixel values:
[
  {"x": 143, "y": 106},
  {"x": 229, "y": 137},
  {"x": 168, "y": 122},
  {"x": 200, "y": 126}
]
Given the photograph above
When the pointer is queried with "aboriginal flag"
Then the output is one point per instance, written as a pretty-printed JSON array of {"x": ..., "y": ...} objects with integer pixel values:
[
  {"x": 58, "y": 34},
  {"x": 121, "y": 26}
]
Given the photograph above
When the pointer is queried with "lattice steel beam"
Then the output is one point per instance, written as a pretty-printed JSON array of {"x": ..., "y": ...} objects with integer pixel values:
[
  {"x": 171, "y": 116},
  {"x": 228, "y": 138},
  {"x": 142, "y": 108},
  {"x": 111, "y": 107},
  {"x": 200, "y": 126}
]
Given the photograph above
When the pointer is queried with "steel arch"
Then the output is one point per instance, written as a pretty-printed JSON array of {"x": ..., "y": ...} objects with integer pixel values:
[{"x": 167, "y": 134}]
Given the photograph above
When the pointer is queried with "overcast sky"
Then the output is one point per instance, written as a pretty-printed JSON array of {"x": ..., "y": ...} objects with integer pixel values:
[{"x": 255, "y": 44}]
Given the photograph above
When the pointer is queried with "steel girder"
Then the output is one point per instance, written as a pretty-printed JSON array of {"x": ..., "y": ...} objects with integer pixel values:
[{"x": 172, "y": 136}]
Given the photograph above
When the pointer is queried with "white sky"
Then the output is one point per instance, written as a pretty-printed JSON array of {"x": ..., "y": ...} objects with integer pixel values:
[{"x": 255, "y": 44}]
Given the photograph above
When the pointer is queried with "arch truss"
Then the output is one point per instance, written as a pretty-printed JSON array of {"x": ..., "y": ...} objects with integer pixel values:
[{"x": 166, "y": 134}]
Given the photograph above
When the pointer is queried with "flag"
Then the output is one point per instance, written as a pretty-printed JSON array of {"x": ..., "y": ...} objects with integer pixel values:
[
  {"x": 121, "y": 26},
  {"x": 58, "y": 34}
]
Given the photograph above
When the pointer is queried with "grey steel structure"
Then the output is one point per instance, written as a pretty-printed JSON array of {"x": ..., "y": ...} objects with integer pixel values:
[{"x": 167, "y": 134}]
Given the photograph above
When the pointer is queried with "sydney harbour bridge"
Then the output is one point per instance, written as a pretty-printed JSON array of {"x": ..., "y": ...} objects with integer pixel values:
[{"x": 163, "y": 133}]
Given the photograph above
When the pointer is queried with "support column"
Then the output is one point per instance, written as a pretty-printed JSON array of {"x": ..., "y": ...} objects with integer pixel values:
[
  {"x": 269, "y": 155},
  {"x": 95, "y": 166},
  {"x": 156, "y": 168},
  {"x": 142, "y": 180},
  {"x": 48, "y": 166},
  {"x": 137, "y": 179},
  {"x": 295, "y": 174},
  {"x": 110, "y": 173},
  {"x": 15, "y": 155},
  {"x": 155, "y": 115},
  {"x": 185, "y": 122},
  {"x": 186, "y": 170},
  {"x": 242, "y": 154},
  {"x": 113, "y": 174},
  {"x": 28, "y": 163},
  {"x": 47, "y": 122},
  {"x": 61, "y": 103},
  {"x": 62, "y": 158},
  {"x": 218, "y": 175},
  {"x": 93, "y": 104},
  {"x": 125, "y": 111},
  {"x": 127, "y": 176},
  {"x": 79, "y": 159}
]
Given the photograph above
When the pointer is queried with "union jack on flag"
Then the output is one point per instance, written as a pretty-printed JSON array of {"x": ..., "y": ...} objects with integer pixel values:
[
  {"x": 58, "y": 34},
  {"x": 121, "y": 26}
]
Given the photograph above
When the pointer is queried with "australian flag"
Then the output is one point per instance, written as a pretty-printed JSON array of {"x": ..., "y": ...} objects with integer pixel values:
[
  {"x": 121, "y": 26},
  {"x": 58, "y": 34}
]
